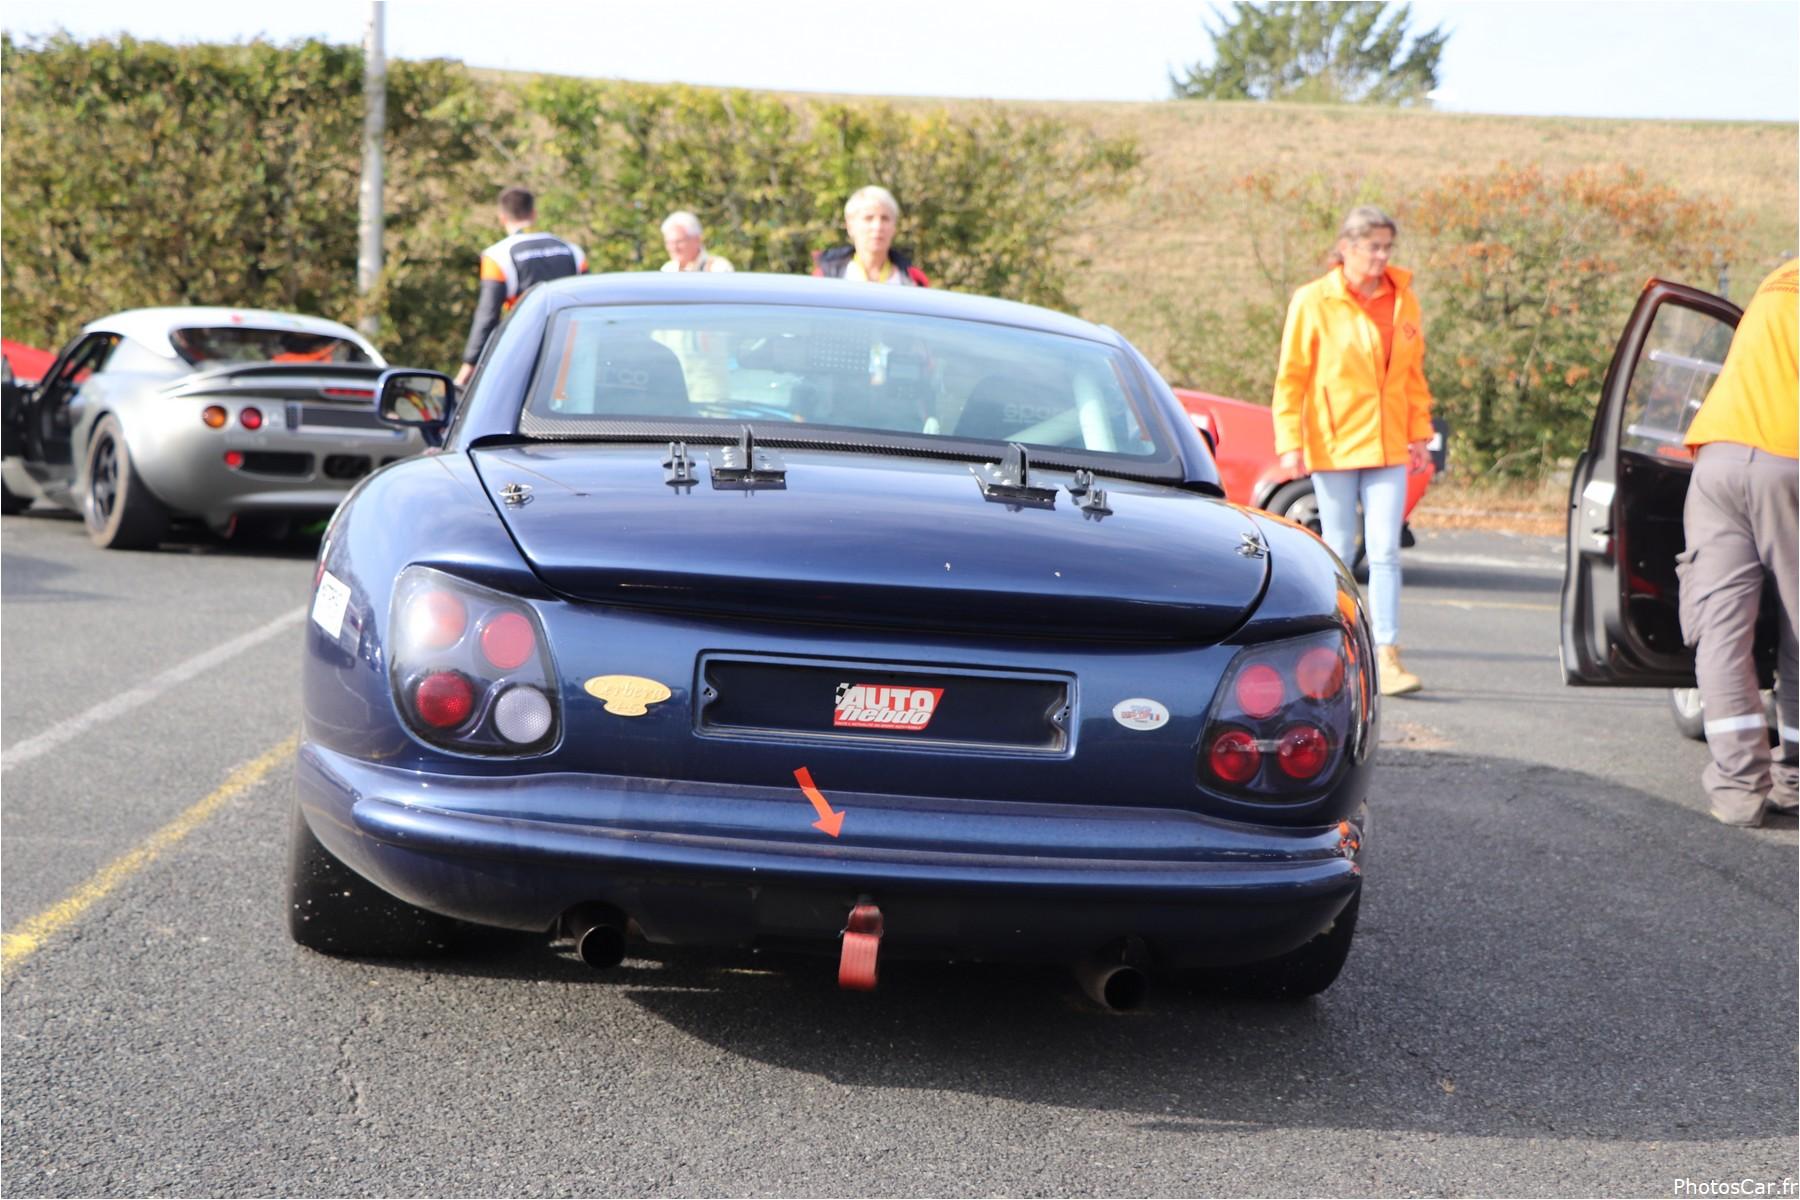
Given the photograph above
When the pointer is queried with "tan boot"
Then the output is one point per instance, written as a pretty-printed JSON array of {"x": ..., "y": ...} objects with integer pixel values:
[{"x": 1394, "y": 679}]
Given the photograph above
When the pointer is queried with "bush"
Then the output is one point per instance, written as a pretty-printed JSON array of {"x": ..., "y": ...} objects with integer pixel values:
[
  {"x": 142, "y": 174},
  {"x": 1525, "y": 279},
  {"x": 989, "y": 201},
  {"x": 1530, "y": 281},
  {"x": 138, "y": 174}
]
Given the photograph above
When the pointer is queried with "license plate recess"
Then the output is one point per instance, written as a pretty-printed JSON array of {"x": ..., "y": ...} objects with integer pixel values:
[{"x": 893, "y": 703}]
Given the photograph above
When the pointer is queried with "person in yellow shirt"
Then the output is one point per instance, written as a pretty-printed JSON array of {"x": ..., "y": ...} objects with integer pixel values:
[
  {"x": 1742, "y": 520},
  {"x": 1351, "y": 405}
]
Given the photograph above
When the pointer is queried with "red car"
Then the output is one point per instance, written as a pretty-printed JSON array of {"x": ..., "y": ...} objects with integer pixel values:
[
  {"x": 27, "y": 363},
  {"x": 1243, "y": 437}
]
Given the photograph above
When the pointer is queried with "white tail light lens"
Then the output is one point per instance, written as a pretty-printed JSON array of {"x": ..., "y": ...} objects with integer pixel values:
[{"x": 523, "y": 715}]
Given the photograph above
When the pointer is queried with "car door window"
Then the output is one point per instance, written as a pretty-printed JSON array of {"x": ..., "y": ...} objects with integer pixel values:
[
  {"x": 1681, "y": 357},
  {"x": 88, "y": 356}
]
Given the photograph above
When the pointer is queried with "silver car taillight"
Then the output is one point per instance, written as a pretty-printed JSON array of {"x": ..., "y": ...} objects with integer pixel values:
[
  {"x": 469, "y": 666},
  {"x": 1287, "y": 717}
]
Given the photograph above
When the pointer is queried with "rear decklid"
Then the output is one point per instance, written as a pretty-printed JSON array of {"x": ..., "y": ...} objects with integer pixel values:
[
  {"x": 318, "y": 395},
  {"x": 876, "y": 540}
]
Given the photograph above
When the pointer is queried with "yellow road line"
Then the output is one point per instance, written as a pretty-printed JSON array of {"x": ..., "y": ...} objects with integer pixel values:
[
  {"x": 19, "y": 944},
  {"x": 1467, "y": 604}
]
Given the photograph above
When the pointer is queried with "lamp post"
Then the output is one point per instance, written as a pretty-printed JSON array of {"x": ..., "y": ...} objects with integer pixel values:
[{"x": 369, "y": 222}]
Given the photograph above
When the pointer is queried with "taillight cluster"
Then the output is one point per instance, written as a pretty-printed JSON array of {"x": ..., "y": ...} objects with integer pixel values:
[
  {"x": 1287, "y": 717},
  {"x": 217, "y": 416},
  {"x": 470, "y": 667}
]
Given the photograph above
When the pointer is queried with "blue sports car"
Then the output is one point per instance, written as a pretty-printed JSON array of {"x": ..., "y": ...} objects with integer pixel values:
[{"x": 765, "y": 612}]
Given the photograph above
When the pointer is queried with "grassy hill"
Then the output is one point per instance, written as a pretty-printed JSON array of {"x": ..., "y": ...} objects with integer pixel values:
[{"x": 1185, "y": 227}]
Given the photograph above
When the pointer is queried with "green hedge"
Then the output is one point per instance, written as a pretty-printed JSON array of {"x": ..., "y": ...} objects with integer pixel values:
[{"x": 137, "y": 173}]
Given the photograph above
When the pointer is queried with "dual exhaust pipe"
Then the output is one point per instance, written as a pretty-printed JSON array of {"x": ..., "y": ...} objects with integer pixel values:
[{"x": 1109, "y": 979}]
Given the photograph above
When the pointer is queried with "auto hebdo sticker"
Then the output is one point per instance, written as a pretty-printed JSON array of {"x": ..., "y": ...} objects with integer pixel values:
[
  {"x": 881, "y": 706},
  {"x": 627, "y": 695},
  {"x": 1139, "y": 713}
]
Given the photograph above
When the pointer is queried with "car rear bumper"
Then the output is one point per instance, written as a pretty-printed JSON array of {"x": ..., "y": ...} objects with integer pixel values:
[
  {"x": 725, "y": 865},
  {"x": 282, "y": 470}
]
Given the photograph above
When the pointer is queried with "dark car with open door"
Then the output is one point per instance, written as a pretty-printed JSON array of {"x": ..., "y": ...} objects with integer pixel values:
[{"x": 1621, "y": 622}]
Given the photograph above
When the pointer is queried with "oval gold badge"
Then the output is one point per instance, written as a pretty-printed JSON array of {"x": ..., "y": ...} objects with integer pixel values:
[{"x": 627, "y": 695}]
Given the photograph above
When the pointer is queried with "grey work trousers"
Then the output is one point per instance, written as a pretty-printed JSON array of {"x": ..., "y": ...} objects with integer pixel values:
[{"x": 1742, "y": 520}]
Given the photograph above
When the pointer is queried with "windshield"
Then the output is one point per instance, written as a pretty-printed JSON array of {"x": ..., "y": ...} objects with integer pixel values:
[
  {"x": 922, "y": 377},
  {"x": 243, "y": 344}
]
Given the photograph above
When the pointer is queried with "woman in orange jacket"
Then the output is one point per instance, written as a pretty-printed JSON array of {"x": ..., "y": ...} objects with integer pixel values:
[{"x": 1351, "y": 405}]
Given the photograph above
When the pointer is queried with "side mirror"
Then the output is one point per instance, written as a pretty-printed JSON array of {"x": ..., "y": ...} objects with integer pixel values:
[
  {"x": 410, "y": 399},
  {"x": 1208, "y": 429}
]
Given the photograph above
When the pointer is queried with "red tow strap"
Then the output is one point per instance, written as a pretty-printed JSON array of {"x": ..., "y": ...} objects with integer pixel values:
[{"x": 862, "y": 943}]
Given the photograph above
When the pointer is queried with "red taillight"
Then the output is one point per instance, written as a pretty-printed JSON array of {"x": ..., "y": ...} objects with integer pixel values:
[
  {"x": 215, "y": 416},
  {"x": 1260, "y": 691},
  {"x": 251, "y": 418},
  {"x": 344, "y": 393},
  {"x": 1320, "y": 673},
  {"x": 1234, "y": 756},
  {"x": 234, "y": 459},
  {"x": 470, "y": 666},
  {"x": 508, "y": 641},
  {"x": 435, "y": 620},
  {"x": 1303, "y": 752},
  {"x": 1295, "y": 705},
  {"x": 444, "y": 700}
]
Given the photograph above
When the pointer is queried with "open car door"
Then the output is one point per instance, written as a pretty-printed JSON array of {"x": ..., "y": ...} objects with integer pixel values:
[{"x": 1621, "y": 622}]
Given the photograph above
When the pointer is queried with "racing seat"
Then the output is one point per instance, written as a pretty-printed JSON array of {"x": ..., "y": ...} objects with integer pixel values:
[
  {"x": 623, "y": 377},
  {"x": 1000, "y": 406}
]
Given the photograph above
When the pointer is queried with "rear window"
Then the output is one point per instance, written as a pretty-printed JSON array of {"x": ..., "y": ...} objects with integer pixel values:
[
  {"x": 927, "y": 377},
  {"x": 204, "y": 344}
]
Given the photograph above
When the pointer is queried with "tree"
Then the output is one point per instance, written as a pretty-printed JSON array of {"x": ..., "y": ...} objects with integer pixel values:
[{"x": 1352, "y": 53}]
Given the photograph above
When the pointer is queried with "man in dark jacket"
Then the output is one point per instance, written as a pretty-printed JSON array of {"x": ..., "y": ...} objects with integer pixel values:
[
  {"x": 870, "y": 217},
  {"x": 514, "y": 263}
]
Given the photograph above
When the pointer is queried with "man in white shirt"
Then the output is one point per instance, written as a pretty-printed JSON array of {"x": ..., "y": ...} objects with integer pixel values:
[{"x": 686, "y": 244}]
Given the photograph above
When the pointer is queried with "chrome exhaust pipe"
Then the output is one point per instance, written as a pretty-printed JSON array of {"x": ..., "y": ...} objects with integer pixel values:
[
  {"x": 1113, "y": 985},
  {"x": 599, "y": 934}
]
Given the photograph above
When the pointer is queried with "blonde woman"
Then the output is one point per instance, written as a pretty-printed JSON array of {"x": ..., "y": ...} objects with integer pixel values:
[
  {"x": 870, "y": 218},
  {"x": 1351, "y": 406}
]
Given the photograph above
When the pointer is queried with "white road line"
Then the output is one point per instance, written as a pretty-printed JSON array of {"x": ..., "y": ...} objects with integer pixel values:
[
  {"x": 145, "y": 692},
  {"x": 1427, "y": 558}
]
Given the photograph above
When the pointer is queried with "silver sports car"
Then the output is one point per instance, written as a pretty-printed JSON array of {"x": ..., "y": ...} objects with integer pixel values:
[{"x": 225, "y": 415}]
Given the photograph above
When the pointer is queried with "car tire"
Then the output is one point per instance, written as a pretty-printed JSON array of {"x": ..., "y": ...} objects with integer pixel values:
[
  {"x": 120, "y": 512},
  {"x": 1684, "y": 707},
  {"x": 335, "y": 911},
  {"x": 1690, "y": 717},
  {"x": 1298, "y": 502},
  {"x": 11, "y": 503},
  {"x": 1304, "y": 972}
]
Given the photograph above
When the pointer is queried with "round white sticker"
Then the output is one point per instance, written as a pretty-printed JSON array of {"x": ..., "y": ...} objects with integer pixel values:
[{"x": 1139, "y": 713}]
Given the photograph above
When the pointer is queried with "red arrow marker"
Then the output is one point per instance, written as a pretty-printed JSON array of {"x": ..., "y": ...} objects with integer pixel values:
[{"x": 828, "y": 821}]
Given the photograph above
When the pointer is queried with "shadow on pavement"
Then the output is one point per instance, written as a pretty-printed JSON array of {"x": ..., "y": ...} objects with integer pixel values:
[
  {"x": 1499, "y": 580},
  {"x": 1539, "y": 950}
]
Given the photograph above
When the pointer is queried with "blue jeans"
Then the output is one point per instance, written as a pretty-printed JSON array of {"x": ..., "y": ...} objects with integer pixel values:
[{"x": 1382, "y": 491}]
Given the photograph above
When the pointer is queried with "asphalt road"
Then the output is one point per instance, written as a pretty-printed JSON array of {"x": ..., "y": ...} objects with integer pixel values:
[{"x": 1567, "y": 978}]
